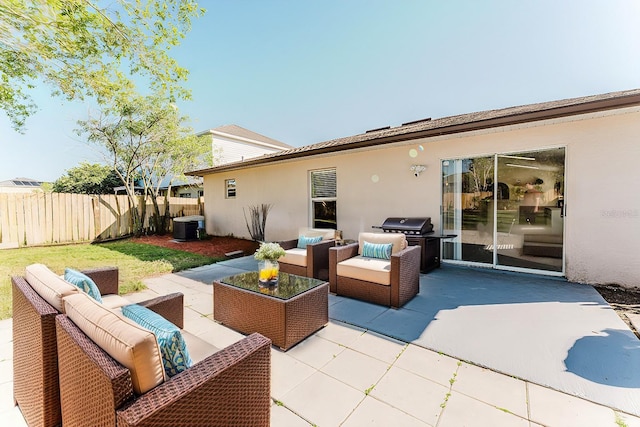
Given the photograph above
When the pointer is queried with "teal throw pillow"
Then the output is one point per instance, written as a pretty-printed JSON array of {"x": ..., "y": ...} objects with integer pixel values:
[
  {"x": 83, "y": 282},
  {"x": 377, "y": 250},
  {"x": 175, "y": 356},
  {"x": 303, "y": 241}
]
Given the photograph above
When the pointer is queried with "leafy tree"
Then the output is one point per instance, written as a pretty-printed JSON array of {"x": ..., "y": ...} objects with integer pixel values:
[
  {"x": 88, "y": 179},
  {"x": 82, "y": 48},
  {"x": 146, "y": 140}
]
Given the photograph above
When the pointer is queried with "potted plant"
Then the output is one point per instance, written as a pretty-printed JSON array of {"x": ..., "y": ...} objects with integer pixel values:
[{"x": 268, "y": 267}]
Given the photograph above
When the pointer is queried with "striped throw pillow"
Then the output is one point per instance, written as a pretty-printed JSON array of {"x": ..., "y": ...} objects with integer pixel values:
[
  {"x": 83, "y": 282},
  {"x": 303, "y": 241},
  {"x": 377, "y": 250},
  {"x": 175, "y": 356}
]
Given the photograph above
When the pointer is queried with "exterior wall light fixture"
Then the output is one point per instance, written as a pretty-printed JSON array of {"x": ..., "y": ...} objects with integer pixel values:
[{"x": 417, "y": 169}]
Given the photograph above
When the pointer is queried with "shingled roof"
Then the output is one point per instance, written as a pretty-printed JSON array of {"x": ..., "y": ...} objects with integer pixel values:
[
  {"x": 238, "y": 131},
  {"x": 447, "y": 125}
]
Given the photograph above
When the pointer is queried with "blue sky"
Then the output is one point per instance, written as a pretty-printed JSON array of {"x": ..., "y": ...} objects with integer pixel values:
[{"x": 304, "y": 72}]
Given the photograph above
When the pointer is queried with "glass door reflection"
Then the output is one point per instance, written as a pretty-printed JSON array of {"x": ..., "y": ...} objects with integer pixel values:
[
  {"x": 506, "y": 210},
  {"x": 467, "y": 201},
  {"x": 529, "y": 217}
]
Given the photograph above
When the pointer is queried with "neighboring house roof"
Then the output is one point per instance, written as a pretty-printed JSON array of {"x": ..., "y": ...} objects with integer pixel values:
[
  {"x": 189, "y": 181},
  {"x": 164, "y": 184},
  {"x": 237, "y": 132},
  {"x": 446, "y": 126},
  {"x": 21, "y": 182}
]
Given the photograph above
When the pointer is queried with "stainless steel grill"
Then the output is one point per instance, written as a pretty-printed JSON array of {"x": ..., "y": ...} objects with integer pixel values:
[
  {"x": 419, "y": 232},
  {"x": 410, "y": 226}
]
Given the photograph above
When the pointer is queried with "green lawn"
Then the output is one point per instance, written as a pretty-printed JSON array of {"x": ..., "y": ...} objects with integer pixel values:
[{"x": 134, "y": 260}]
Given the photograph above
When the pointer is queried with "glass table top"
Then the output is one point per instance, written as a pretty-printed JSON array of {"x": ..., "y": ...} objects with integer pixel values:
[{"x": 289, "y": 285}]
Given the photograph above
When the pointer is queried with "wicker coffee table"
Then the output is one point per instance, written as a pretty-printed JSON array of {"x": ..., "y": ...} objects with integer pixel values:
[{"x": 286, "y": 314}]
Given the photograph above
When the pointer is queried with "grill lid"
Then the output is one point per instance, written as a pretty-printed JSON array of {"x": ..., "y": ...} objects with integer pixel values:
[{"x": 420, "y": 225}]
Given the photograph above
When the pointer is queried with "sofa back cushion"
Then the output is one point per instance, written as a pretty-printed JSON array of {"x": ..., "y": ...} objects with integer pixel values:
[
  {"x": 325, "y": 233},
  {"x": 51, "y": 287},
  {"x": 398, "y": 240},
  {"x": 128, "y": 343}
]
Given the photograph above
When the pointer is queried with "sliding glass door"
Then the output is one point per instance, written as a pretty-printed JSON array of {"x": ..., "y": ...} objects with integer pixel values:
[
  {"x": 467, "y": 196},
  {"x": 505, "y": 210}
]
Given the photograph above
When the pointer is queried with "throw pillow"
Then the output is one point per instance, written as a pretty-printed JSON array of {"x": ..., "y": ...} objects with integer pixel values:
[
  {"x": 377, "y": 250},
  {"x": 303, "y": 241},
  {"x": 175, "y": 356},
  {"x": 133, "y": 346},
  {"x": 83, "y": 282}
]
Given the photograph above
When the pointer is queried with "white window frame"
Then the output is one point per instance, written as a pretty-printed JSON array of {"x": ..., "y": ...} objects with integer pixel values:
[
  {"x": 322, "y": 198},
  {"x": 230, "y": 188}
]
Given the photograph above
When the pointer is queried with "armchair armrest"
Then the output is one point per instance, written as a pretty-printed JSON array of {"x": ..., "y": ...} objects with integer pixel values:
[
  {"x": 106, "y": 278},
  {"x": 230, "y": 387},
  {"x": 322, "y": 245},
  {"x": 318, "y": 258},
  {"x": 92, "y": 384},
  {"x": 405, "y": 253},
  {"x": 405, "y": 275},
  {"x": 22, "y": 295},
  {"x": 289, "y": 244},
  {"x": 170, "y": 306},
  {"x": 344, "y": 252},
  {"x": 35, "y": 355},
  {"x": 336, "y": 255}
]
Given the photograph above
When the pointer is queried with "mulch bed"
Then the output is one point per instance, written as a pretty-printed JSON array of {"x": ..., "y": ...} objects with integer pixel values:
[{"x": 212, "y": 246}]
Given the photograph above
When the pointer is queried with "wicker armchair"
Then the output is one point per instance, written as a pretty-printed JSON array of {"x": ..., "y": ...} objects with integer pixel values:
[
  {"x": 392, "y": 283},
  {"x": 228, "y": 388},
  {"x": 313, "y": 261},
  {"x": 35, "y": 353}
]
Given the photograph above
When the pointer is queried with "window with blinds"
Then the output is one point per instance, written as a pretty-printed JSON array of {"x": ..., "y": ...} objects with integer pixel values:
[
  {"x": 230, "y": 188},
  {"x": 323, "y": 198}
]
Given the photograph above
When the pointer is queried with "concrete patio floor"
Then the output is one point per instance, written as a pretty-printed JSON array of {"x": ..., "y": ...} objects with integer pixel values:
[{"x": 474, "y": 348}]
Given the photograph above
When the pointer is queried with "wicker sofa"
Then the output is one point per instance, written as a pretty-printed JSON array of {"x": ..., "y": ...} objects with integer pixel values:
[
  {"x": 230, "y": 387},
  {"x": 391, "y": 282},
  {"x": 35, "y": 354},
  {"x": 312, "y": 260}
]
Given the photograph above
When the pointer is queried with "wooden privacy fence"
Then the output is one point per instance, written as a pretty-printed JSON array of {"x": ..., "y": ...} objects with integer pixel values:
[{"x": 45, "y": 218}]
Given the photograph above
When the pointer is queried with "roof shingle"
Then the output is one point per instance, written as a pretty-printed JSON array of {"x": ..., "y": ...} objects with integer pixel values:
[{"x": 448, "y": 125}]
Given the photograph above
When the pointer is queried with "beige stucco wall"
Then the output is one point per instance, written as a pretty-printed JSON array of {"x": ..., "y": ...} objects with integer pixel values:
[{"x": 602, "y": 234}]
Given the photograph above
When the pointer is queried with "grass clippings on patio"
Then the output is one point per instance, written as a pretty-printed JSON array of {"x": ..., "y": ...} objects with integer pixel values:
[{"x": 135, "y": 261}]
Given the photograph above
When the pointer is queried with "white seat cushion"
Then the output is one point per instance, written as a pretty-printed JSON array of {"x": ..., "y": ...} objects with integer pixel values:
[
  {"x": 133, "y": 346},
  {"x": 369, "y": 269},
  {"x": 199, "y": 349},
  {"x": 295, "y": 256},
  {"x": 51, "y": 287}
]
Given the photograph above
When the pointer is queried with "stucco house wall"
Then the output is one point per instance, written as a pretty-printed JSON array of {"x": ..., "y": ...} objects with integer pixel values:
[{"x": 602, "y": 226}]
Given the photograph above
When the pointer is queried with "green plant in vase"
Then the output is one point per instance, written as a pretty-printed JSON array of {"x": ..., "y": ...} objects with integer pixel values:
[{"x": 268, "y": 267}]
